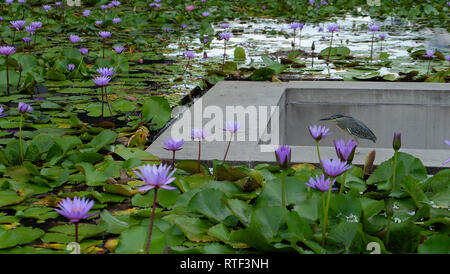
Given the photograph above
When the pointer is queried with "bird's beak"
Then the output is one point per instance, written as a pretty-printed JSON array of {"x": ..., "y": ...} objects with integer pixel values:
[{"x": 325, "y": 119}]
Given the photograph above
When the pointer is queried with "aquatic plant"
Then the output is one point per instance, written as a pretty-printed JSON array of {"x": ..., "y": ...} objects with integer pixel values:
[
  {"x": 373, "y": 28},
  {"x": 430, "y": 55},
  {"x": 345, "y": 152},
  {"x": 200, "y": 134},
  {"x": 231, "y": 127},
  {"x": 22, "y": 109},
  {"x": 331, "y": 28},
  {"x": 332, "y": 168},
  {"x": 154, "y": 177},
  {"x": 318, "y": 133},
  {"x": 283, "y": 156},
  {"x": 225, "y": 36},
  {"x": 75, "y": 210},
  {"x": 7, "y": 50},
  {"x": 102, "y": 81},
  {"x": 104, "y": 35},
  {"x": 173, "y": 145}
]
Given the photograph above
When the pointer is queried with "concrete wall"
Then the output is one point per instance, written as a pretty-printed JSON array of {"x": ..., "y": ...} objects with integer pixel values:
[{"x": 423, "y": 111}]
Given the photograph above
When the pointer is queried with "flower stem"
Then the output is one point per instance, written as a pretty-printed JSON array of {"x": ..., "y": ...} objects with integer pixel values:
[
  {"x": 224, "y": 53},
  {"x": 395, "y": 170},
  {"x": 7, "y": 76},
  {"x": 199, "y": 151},
  {"x": 107, "y": 102},
  {"x": 228, "y": 147},
  {"x": 104, "y": 41},
  {"x": 149, "y": 238},
  {"x": 329, "y": 52},
  {"x": 76, "y": 232},
  {"x": 325, "y": 215},
  {"x": 103, "y": 102},
  {"x": 293, "y": 43},
  {"x": 318, "y": 153},
  {"x": 300, "y": 39},
  {"x": 173, "y": 159},
  {"x": 429, "y": 63},
  {"x": 20, "y": 138},
  {"x": 283, "y": 189},
  {"x": 343, "y": 183},
  {"x": 371, "y": 47}
]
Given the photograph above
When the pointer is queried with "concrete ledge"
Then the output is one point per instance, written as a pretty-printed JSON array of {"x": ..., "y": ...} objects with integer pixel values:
[{"x": 246, "y": 149}]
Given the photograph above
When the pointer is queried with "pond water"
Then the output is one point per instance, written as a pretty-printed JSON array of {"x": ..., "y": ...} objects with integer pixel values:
[{"x": 270, "y": 36}]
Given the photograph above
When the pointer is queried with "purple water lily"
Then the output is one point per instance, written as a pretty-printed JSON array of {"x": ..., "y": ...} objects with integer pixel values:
[
  {"x": 104, "y": 34},
  {"x": 155, "y": 177},
  {"x": 74, "y": 38},
  {"x": 76, "y": 209},
  {"x": 320, "y": 183},
  {"x": 345, "y": 152},
  {"x": 429, "y": 55},
  {"x": 334, "y": 167},
  {"x": 173, "y": 144},
  {"x": 1, "y": 112},
  {"x": 107, "y": 72},
  {"x": 119, "y": 49},
  {"x": 84, "y": 51},
  {"x": 189, "y": 54},
  {"x": 198, "y": 133},
  {"x": 374, "y": 27},
  {"x": 101, "y": 80},
  {"x": 283, "y": 156},
  {"x": 7, "y": 50},
  {"x": 232, "y": 127},
  {"x": 319, "y": 132}
]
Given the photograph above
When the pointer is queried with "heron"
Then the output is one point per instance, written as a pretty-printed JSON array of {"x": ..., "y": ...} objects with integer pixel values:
[{"x": 353, "y": 126}]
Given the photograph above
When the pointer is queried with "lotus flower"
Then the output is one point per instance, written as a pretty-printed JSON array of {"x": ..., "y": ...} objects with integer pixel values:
[
  {"x": 334, "y": 168},
  {"x": 101, "y": 80},
  {"x": 76, "y": 210},
  {"x": 173, "y": 144},
  {"x": 119, "y": 49},
  {"x": 1, "y": 112},
  {"x": 232, "y": 126},
  {"x": 345, "y": 152},
  {"x": 283, "y": 155},
  {"x": 84, "y": 51},
  {"x": 106, "y": 71},
  {"x": 319, "y": 132},
  {"x": 74, "y": 38},
  {"x": 320, "y": 183},
  {"x": 24, "y": 108},
  {"x": 155, "y": 177}
]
